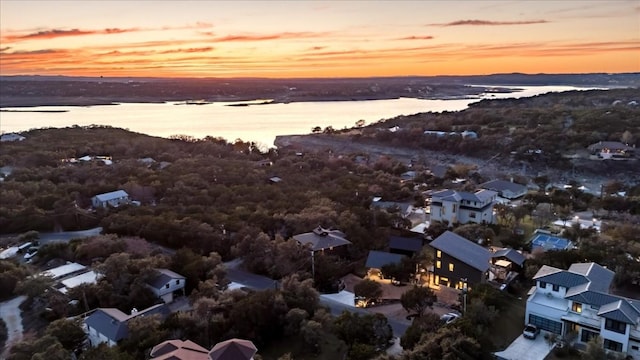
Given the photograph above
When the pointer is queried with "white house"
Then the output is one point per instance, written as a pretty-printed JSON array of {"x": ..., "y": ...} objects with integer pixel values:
[
  {"x": 114, "y": 198},
  {"x": 463, "y": 207},
  {"x": 576, "y": 303},
  {"x": 165, "y": 283},
  {"x": 11, "y": 137}
]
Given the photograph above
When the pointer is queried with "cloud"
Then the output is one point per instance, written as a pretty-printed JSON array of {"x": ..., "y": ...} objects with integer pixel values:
[
  {"x": 414, "y": 37},
  {"x": 276, "y": 36},
  {"x": 189, "y": 50},
  {"x": 489, "y": 23},
  {"x": 5, "y": 48},
  {"x": 56, "y": 33}
]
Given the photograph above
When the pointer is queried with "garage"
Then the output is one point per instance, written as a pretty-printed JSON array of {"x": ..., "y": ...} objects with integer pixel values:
[{"x": 546, "y": 324}]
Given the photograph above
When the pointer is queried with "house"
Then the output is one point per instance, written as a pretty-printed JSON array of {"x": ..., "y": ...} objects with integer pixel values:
[
  {"x": 506, "y": 265},
  {"x": 378, "y": 259},
  {"x": 576, "y": 304},
  {"x": 233, "y": 349},
  {"x": 109, "y": 325},
  {"x": 506, "y": 189},
  {"x": 11, "y": 137},
  {"x": 321, "y": 239},
  {"x": 463, "y": 207},
  {"x": 514, "y": 257},
  {"x": 405, "y": 245},
  {"x": 404, "y": 209},
  {"x": 611, "y": 150},
  {"x": 459, "y": 262},
  {"x": 114, "y": 198},
  {"x": 166, "y": 283},
  {"x": 179, "y": 350}
]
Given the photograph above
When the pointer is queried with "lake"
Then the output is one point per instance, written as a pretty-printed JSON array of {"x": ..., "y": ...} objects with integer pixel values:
[{"x": 258, "y": 122}]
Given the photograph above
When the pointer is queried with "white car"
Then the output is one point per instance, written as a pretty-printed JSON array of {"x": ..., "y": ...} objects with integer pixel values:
[
  {"x": 31, "y": 253},
  {"x": 530, "y": 331},
  {"x": 448, "y": 318}
]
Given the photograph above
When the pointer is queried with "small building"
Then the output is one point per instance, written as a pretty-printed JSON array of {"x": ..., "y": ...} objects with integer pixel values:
[
  {"x": 114, "y": 199},
  {"x": 166, "y": 283},
  {"x": 459, "y": 262},
  {"x": 408, "y": 246},
  {"x": 11, "y": 137},
  {"x": 506, "y": 189},
  {"x": 612, "y": 150},
  {"x": 109, "y": 325}
]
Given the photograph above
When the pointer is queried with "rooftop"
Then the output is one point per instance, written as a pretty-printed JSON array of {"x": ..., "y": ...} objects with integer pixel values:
[{"x": 462, "y": 249}]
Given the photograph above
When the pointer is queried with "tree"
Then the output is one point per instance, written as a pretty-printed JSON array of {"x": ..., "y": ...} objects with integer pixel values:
[
  {"x": 594, "y": 350},
  {"x": 105, "y": 352},
  {"x": 316, "y": 129},
  {"x": 46, "y": 347},
  {"x": 428, "y": 323},
  {"x": 34, "y": 286},
  {"x": 312, "y": 333},
  {"x": 68, "y": 332},
  {"x": 418, "y": 299},
  {"x": 300, "y": 294},
  {"x": 368, "y": 289}
]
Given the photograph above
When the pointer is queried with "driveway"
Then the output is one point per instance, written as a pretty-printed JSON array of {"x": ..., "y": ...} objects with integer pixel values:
[
  {"x": 66, "y": 236},
  {"x": 522, "y": 348},
  {"x": 10, "y": 313}
]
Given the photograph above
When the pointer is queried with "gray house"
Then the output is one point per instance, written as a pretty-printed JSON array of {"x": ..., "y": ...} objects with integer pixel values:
[
  {"x": 114, "y": 199},
  {"x": 506, "y": 189},
  {"x": 459, "y": 262},
  {"x": 109, "y": 325},
  {"x": 166, "y": 283}
]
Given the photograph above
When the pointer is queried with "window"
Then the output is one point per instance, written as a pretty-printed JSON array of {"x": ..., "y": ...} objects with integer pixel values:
[
  {"x": 166, "y": 286},
  {"x": 450, "y": 267},
  {"x": 472, "y": 215},
  {"x": 576, "y": 307},
  {"x": 556, "y": 287},
  {"x": 634, "y": 347},
  {"x": 587, "y": 335},
  {"x": 438, "y": 264},
  {"x": 454, "y": 208},
  {"x": 438, "y": 254},
  {"x": 615, "y": 326},
  {"x": 177, "y": 281},
  {"x": 543, "y": 284},
  {"x": 612, "y": 345}
]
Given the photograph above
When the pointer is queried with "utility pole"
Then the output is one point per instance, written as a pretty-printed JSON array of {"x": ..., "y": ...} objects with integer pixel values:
[{"x": 313, "y": 267}]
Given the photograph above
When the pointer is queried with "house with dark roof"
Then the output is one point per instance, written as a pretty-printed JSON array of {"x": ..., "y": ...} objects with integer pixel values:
[
  {"x": 577, "y": 303},
  {"x": 405, "y": 245},
  {"x": 612, "y": 150},
  {"x": 113, "y": 199},
  {"x": 232, "y": 349},
  {"x": 506, "y": 189},
  {"x": 459, "y": 262},
  {"x": 463, "y": 207},
  {"x": 321, "y": 239},
  {"x": 109, "y": 325},
  {"x": 514, "y": 257},
  {"x": 166, "y": 283}
]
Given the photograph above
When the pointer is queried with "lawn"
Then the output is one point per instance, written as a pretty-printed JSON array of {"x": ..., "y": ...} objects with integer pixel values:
[{"x": 331, "y": 348}]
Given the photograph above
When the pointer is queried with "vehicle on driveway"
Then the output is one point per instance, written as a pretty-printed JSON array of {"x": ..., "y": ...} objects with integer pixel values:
[
  {"x": 31, "y": 252},
  {"x": 530, "y": 331}
]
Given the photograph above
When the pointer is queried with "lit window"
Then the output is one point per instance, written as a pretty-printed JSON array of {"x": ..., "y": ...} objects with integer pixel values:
[
  {"x": 439, "y": 254},
  {"x": 438, "y": 264},
  {"x": 576, "y": 307},
  {"x": 450, "y": 267}
]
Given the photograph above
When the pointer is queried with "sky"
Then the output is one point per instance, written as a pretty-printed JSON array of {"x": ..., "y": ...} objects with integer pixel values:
[{"x": 305, "y": 38}]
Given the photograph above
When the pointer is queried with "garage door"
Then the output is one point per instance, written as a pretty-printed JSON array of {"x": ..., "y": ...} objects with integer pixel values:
[{"x": 546, "y": 324}]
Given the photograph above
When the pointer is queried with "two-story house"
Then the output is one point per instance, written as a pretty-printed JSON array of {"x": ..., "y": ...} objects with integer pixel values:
[
  {"x": 463, "y": 207},
  {"x": 114, "y": 199},
  {"x": 166, "y": 283},
  {"x": 109, "y": 325},
  {"x": 459, "y": 262},
  {"x": 576, "y": 303}
]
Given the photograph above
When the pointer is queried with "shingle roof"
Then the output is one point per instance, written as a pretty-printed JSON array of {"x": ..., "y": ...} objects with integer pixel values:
[
  {"x": 462, "y": 249},
  {"x": 511, "y": 254},
  {"x": 162, "y": 277},
  {"x": 502, "y": 185},
  {"x": 179, "y": 350},
  {"x": 452, "y": 195},
  {"x": 378, "y": 259},
  {"x": 584, "y": 295},
  {"x": 321, "y": 238},
  {"x": 112, "y": 195},
  {"x": 562, "y": 278},
  {"x": 620, "y": 310},
  {"x": 112, "y": 322},
  {"x": 405, "y": 243},
  {"x": 599, "y": 276},
  {"x": 234, "y": 349}
]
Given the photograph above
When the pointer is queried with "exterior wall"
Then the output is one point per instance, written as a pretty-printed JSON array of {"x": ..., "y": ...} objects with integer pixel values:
[
  {"x": 562, "y": 291},
  {"x": 113, "y": 202},
  {"x": 612, "y": 335},
  {"x": 167, "y": 298},
  {"x": 170, "y": 287},
  {"x": 460, "y": 271},
  {"x": 453, "y": 211},
  {"x": 634, "y": 349},
  {"x": 96, "y": 338}
]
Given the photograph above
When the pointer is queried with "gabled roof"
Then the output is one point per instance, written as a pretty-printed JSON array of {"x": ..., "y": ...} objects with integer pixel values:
[
  {"x": 613, "y": 145},
  {"x": 112, "y": 195},
  {"x": 321, "y": 239},
  {"x": 620, "y": 310},
  {"x": 378, "y": 259},
  {"x": 162, "y": 277},
  {"x": 234, "y": 349},
  {"x": 584, "y": 295},
  {"x": 179, "y": 350},
  {"x": 405, "y": 243},
  {"x": 502, "y": 185},
  {"x": 452, "y": 195},
  {"x": 462, "y": 249},
  {"x": 446, "y": 195},
  {"x": 599, "y": 276},
  {"x": 112, "y": 322},
  {"x": 562, "y": 278},
  {"x": 511, "y": 254},
  {"x": 388, "y": 205}
]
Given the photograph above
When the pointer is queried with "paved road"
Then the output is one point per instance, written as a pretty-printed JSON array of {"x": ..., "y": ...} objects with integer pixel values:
[
  {"x": 66, "y": 236},
  {"x": 10, "y": 313},
  {"x": 258, "y": 282}
]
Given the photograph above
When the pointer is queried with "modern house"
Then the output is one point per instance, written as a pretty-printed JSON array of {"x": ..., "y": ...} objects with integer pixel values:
[
  {"x": 463, "y": 207},
  {"x": 321, "y": 239},
  {"x": 405, "y": 245},
  {"x": 459, "y": 262},
  {"x": 576, "y": 304},
  {"x": 612, "y": 150},
  {"x": 506, "y": 189},
  {"x": 114, "y": 199},
  {"x": 166, "y": 283},
  {"x": 233, "y": 349},
  {"x": 109, "y": 325}
]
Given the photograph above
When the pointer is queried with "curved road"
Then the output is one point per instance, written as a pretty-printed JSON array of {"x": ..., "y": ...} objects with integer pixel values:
[{"x": 10, "y": 313}]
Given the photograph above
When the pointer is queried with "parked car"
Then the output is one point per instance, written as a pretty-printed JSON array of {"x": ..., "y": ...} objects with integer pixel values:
[
  {"x": 530, "y": 331},
  {"x": 31, "y": 252},
  {"x": 449, "y": 317}
]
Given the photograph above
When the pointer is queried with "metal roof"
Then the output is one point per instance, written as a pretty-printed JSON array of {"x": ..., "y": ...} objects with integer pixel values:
[
  {"x": 118, "y": 194},
  {"x": 620, "y": 310},
  {"x": 378, "y": 259},
  {"x": 511, "y": 254},
  {"x": 321, "y": 239},
  {"x": 462, "y": 249},
  {"x": 502, "y": 185},
  {"x": 599, "y": 276},
  {"x": 405, "y": 243},
  {"x": 563, "y": 278}
]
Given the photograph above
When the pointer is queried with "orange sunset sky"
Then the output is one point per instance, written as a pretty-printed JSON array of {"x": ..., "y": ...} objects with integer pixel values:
[{"x": 163, "y": 38}]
